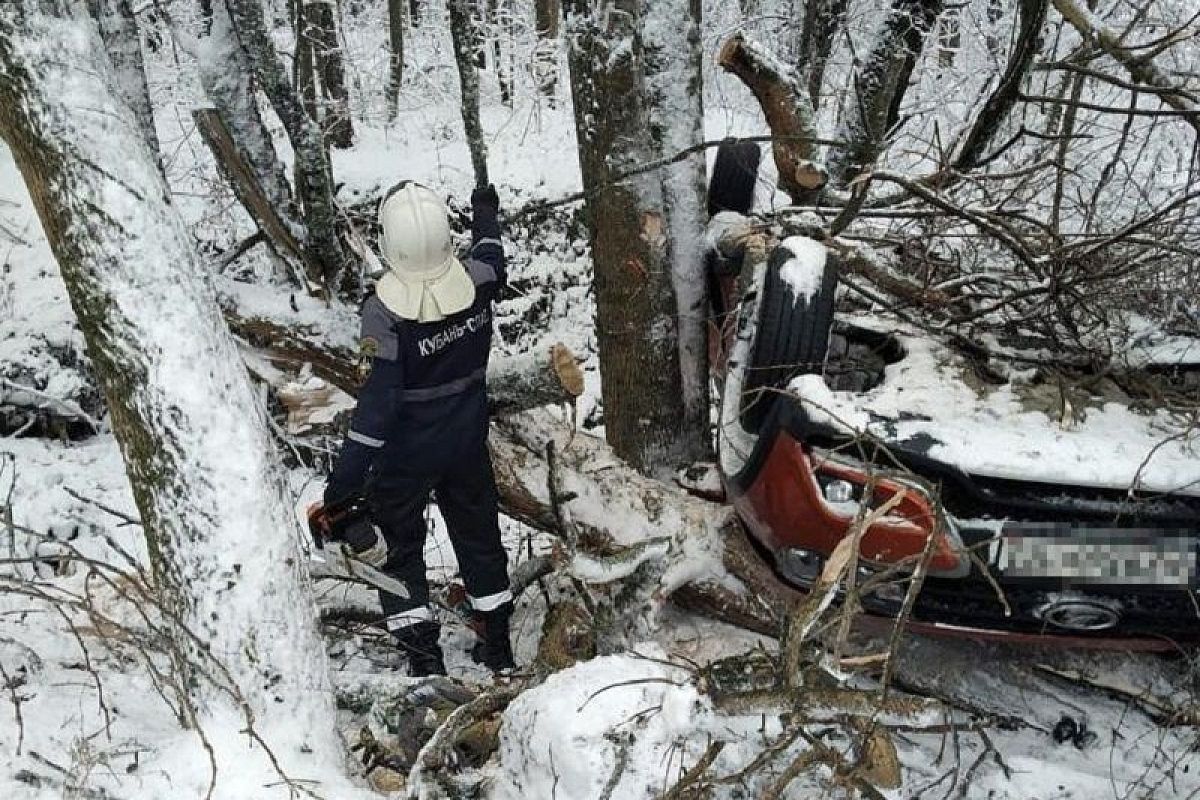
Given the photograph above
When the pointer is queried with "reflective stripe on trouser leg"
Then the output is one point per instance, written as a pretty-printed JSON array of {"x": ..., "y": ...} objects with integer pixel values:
[
  {"x": 492, "y": 601},
  {"x": 412, "y": 616},
  {"x": 398, "y": 509},
  {"x": 467, "y": 498}
]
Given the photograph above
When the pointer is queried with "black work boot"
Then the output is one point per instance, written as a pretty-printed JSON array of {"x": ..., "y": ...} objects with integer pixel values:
[
  {"x": 494, "y": 650},
  {"x": 419, "y": 642}
]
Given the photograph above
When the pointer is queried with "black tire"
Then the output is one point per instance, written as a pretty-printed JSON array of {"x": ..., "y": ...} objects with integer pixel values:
[
  {"x": 792, "y": 338},
  {"x": 734, "y": 176}
]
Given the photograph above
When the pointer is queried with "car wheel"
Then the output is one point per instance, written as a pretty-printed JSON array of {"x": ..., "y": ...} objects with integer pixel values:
[{"x": 791, "y": 338}]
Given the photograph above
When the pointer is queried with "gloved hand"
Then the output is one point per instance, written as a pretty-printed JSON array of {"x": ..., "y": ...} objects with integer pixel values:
[
  {"x": 348, "y": 521},
  {"x": 485, "y": 197},
  {"x": 320, "y": 526}
]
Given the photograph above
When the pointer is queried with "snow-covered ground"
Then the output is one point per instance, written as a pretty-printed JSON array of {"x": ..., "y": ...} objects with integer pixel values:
[{"x": 82, "y": 711}]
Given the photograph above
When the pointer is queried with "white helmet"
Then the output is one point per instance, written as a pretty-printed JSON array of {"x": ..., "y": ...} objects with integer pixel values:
[{"x": 425, "y": 282}]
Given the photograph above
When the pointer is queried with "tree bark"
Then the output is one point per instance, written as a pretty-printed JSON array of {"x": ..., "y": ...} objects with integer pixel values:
[
  {"x": 461, "y": 35},
  {"x": 319, "y": 29},
  {"x": 637, "y": 329},
  {"x": 674, "y": 78},
  {"x": 395, "y": 57},
  {"x": 239, "y": 173},
  {"x": 822, "y": 21},
  {"x": 789, "y": 114},
  {"x": 119, "y": 31},
  {"x": 315, "y": 181},
  {"x": 612, "y": 532},
  {"x": 193, "y": 436},
  {"x": 226, "y": 76},
  {"x": 991, "y": 117},
  {"x": 879, "y": 87},
  {"x": 545, "y": 54}
]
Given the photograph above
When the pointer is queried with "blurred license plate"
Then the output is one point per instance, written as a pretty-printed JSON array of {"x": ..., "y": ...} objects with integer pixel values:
[{"x": 1122, "y": 556}]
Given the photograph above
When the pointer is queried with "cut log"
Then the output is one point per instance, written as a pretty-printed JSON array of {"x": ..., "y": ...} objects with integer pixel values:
[
  {"x": 515, "y": 383},
  {"x": 616, "y": 515},
  {"x": 789, "y": 113}
]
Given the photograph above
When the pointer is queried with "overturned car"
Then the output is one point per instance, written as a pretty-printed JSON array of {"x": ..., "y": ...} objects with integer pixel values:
[{"x": 1034, "y": 509}]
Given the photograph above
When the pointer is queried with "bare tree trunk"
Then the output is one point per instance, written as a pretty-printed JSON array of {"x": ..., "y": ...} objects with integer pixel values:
[
  {"x": 395, "y": 56},
  {"x": 671, "y": 33},
  {"x": 879, "y": 87},
  {"x": 822, "y": 21},
  {"x": 319, "y": 29},
  {"x": 497, "y": 13},
  {"x": 949, "y": 36},
  {"x": 226, "y": 76},
  {"x": 636, "y": 311},
  {"x": 315, "y": 181},
  {"x": 1032, "y": 14},
  {"x": 468, "y": 79},
  {"x": 545, "y": 54},
  {"x": 222, "y": 540},
  {"x": 304, "y": 71},
  {"x": 119, "y": 31}
]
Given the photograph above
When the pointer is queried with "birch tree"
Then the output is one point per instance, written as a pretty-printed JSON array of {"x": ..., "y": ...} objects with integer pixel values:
[{"x": 222, "y": 540}]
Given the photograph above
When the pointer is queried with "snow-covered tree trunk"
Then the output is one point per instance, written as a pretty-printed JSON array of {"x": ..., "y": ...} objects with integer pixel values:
[
  {"x": 671, "y": 37},
  {"x": 499, "y": 23},
  {"x": 119, "y": 30},
  {"x": 788, "y": 111},
  {"x": 462, "y": 36},
  {"x": 223, "y": 541},
  {"x": 545, "y": 55},
  {"x": 879, "y": 87},
  {"x": 395, "y": 56},
  {"x": 313, "y": 176},
  {"x": 318, "y": 30},
  {"x": 1142, "y": 68},
  {"x": 988, "y": 122},
  {"x": 227, "y": 78},
  {"x": 637, "y": 329},
  {"x": 822, "y": 20}
]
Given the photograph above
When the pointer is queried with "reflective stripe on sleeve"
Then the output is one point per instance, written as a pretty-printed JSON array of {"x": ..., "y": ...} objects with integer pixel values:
[
  {"x": 362, "y": 438},
  {"x": 481, "y": 272},
  {"x": 488, "y": 240},
  {"x": 492, "y": 601}
]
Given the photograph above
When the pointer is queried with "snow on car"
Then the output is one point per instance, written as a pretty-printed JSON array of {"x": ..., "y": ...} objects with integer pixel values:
[{"x": 1053, "y": 510}]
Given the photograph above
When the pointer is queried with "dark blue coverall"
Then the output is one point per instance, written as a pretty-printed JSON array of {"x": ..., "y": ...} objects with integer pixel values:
[{"x": 421, "y": 425}]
